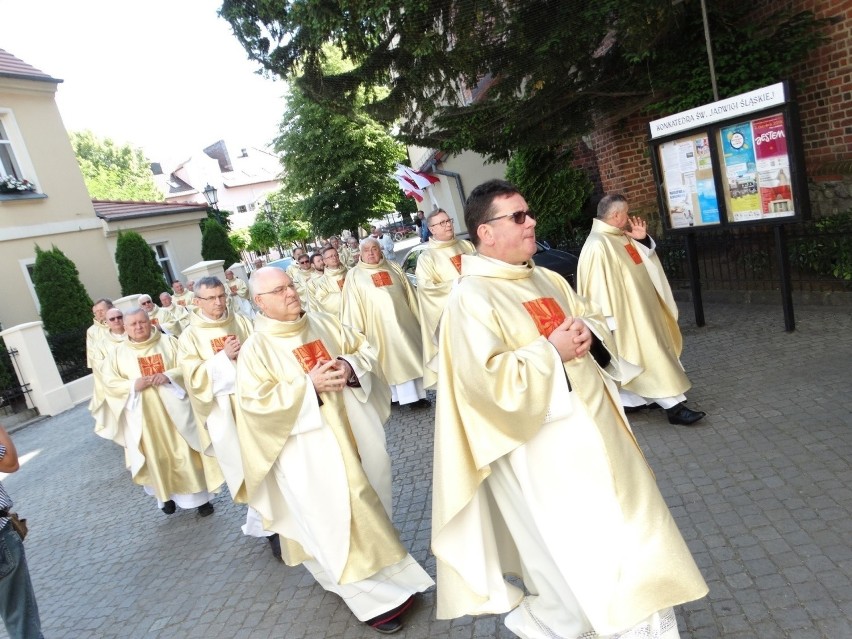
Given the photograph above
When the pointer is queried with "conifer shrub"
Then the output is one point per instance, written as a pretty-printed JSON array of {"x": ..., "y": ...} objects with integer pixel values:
[{"x": 138, "y": 270}]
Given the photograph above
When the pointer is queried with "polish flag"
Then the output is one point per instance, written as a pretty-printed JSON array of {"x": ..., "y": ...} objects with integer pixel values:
[
  {"x": 408, "y": 187},
  {"x": 420, "y": 179}
]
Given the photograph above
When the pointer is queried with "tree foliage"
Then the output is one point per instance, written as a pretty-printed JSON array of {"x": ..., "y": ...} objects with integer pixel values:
[
  {"x": 493, "y": 76},
  {"x": 553, "y": 189},
  {"x": 112, "y": 171},
  {"x": 336, "y": 165},
  {"x": 215, "y": 244},
  {"x": 138, "y": 270},
  {"x": 65, "y": 304}
]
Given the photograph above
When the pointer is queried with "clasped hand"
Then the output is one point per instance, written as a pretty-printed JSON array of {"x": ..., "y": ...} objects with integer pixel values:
[
  {"x": 157, "y": 379},
  {"x": 572, "y": 338},
  {"x": 330, "y": 375}
]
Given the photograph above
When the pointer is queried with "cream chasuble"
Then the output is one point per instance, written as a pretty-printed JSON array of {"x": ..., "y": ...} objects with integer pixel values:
[
  {"x": 161, "y": 318},
  {"x": 627, "y": 281},
  {"x": 180, "y": 314},
  {"x": 379, "y": 302},
  {"x": 105, "y": 423},
  {"x": 319, "y": 474},
  {"x": 438, "y": 267},
  {"x": 326, "y": 291},
  {"x": 300, "y": 279},
  {"x": 159, "y": 430},
  {"x": 237, "y": 287},
  {"x": 502, "y": 395},
  {"x": 93, "y": 335},
  {"x": 210, "y": 380},
  {"x": 184, "y": 300}
]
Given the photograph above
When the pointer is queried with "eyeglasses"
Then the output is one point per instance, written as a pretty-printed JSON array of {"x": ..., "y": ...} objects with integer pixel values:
[
  {"x": 218, "y": 298},
  {"x": 279, "y": 290},
  {"x": 117, "y": 318},
  {"x": 303, "y": 261},
  {"x": 518, "y": 217},
  {"x": 447, "y": 222}
]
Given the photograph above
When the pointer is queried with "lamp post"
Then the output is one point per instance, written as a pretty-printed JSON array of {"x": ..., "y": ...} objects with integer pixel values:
[
  {"x": 212, "y": 197},
  {"x": 267, "y": 207}
]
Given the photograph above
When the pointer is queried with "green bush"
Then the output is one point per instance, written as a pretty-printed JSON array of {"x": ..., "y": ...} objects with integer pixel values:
[
  {"x": 829, "y": 250},
  {"x": 215, "y": 244},
  {"x": 66, "y": 308},
  {"x": 553, "y": 189},
  {"x": 138, "y": 270}
]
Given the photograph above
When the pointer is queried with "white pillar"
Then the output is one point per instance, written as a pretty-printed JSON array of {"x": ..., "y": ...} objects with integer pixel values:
[{"x": 36, "y": 367}]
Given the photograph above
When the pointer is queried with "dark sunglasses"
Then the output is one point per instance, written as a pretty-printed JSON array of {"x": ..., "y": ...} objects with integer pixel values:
[{"x": 518, "y": 217}]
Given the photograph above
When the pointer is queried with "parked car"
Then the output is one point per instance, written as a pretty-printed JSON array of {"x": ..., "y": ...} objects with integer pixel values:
[
  {"x": 283, "y": 263},
  {"x": 559, "y": 261}
]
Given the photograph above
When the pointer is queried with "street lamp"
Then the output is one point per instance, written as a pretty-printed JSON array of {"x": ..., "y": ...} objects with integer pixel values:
[{"x": 212, "y": 197}]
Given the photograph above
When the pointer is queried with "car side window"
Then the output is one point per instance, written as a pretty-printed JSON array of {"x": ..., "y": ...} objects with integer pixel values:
[{"x": 410, "y": 263}]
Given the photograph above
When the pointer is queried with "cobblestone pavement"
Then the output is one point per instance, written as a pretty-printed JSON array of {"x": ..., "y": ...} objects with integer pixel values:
[{"x": 761, "y": 492}]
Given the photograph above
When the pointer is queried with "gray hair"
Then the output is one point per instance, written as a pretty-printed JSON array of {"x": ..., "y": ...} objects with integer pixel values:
[
  {"x": 209, "y": 281},
  {"x": 609, "y": 203},
  {"x": 136, "y": 310},
  {"x": 432, "y": 215}
]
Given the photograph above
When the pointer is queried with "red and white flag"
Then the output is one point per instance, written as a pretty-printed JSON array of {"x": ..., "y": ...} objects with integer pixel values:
[
  {"x": 421, "y": 180},
  {"x": 408, "y": 187}
]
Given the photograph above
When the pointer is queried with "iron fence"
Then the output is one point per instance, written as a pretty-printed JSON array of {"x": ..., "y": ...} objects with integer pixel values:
[{"x": 14, "y": 395}]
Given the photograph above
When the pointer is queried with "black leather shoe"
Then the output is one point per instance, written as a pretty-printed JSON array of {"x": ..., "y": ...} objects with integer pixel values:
[
  {"x": 169, "y": 507},
  {"x": 683, "y": 416},
  {"x": 632, "y": 409},
  {"x": 420, "y": 403},
  {"x": 388, "y": 627},
  {"x": 205, "y": 509},
  {"x": 275, "y": 544}
]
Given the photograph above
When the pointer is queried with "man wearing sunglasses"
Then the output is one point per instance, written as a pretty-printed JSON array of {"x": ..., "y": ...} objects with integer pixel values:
[
  {"x": 437, "y": 268},
  {"x": 536, "y": 470},
  {"x": 620, "y": 271}
]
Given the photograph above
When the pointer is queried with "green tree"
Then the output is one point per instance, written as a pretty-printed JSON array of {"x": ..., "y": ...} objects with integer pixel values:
[
  {"x": 215, "y": 244},
  {"x": 66, "y": 308},
  {"x": 112, "y": 171},
  {"x": 65, "y": 304},
  {"x": 553, "y": 189},
  {"x": 262, "y": 236},
  {"x": 138, "y": 270},
  {"x": 336, "y": 166},
  {"x": 542, "y": 72}
]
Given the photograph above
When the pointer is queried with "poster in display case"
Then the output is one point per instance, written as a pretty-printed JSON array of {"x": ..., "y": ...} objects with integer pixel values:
[{"x": 731, "y": 163}]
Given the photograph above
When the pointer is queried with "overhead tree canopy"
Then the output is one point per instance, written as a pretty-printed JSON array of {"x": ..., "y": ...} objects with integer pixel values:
[
  {"x": 336, "y": 165},
  {"x": 113, "y": 171},
  {"x": 541, "y": 72}
]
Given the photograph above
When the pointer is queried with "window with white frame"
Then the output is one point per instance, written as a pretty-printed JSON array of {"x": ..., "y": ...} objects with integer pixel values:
[
  {"x": 8, "y": 163},
  {"x": 165, "y": 262},
  {"x": 241, "y": 208}
]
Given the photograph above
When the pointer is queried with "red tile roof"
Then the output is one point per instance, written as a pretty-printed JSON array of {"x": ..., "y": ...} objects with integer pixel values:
[
  {"x": 12, "y": 67},
  {"x": 114, "y": 211}
]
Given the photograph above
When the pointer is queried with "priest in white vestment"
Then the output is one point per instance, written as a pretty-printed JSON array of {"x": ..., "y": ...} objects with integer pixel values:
[
  {"x": 619, "y": 270},
  {"x": 105, "y": 423},
  {"x": 379, "y": 302},
  {"x": 438, "y": 267},
  {"x": 98, "y": 329},
  {"x": 311, "y": 404},
  {"x": 208, "y": 350},
  {"x": 537, "y": 472},
  {"x": 143, "y": 385}
]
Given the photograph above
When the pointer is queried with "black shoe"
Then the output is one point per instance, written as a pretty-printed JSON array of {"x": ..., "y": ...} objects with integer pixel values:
[
  {"x": 169, "y": 507},
  {"x": 391, "y": 621},
  {"x": 205, "y": 509},
  {"x": 388, "y": 627},
  {"x": 275, "y": 544},
  {"x": 682, "y": 416},
  {"x": 420, "y": 403},
  {"x": 632, "y": 409}
]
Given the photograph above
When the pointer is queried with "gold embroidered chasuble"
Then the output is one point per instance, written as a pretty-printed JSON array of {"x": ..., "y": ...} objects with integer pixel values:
[
  {"x": 210, "y": 378},
  {"x": 333, "y": 454},
  {"x": 157, "y": 423},
  {"x": 379, "y": 302},
  {"x": 627, "y": 281},
  {"x": 326, "y": 290},
  {"x": 438, "y": 267},
  {"x": 501, "y": 387}
]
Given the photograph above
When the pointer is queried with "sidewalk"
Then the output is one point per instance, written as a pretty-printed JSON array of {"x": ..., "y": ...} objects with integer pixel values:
[{"x": 761, "y": 492}]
